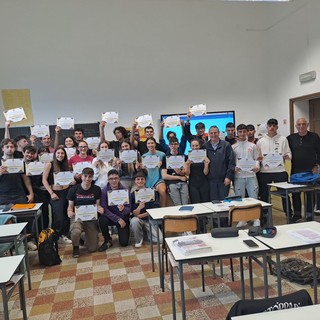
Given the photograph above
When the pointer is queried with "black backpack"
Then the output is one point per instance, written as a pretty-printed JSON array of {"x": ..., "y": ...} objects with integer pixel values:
[{"x": 48, "y": 248}]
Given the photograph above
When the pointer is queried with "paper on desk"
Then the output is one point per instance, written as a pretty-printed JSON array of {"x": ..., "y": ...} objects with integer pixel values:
[{"x": 307, "y": 235}]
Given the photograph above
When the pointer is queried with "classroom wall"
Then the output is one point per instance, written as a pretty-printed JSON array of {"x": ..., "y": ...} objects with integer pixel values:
[{"x": 80, "y": 57}]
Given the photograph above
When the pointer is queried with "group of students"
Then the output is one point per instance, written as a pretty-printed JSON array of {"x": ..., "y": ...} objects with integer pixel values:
[{"x": 192, "y": 183}]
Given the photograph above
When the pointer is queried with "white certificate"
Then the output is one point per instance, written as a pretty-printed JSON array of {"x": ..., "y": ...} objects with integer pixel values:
[
  {"x": 116, "y": 197},
  {"x": 79, "y": 166},
  {"x": 273, "y": 160},
  {"x": 14, "y": 165},
  {"x": 175, "y": 162},
  {"x": 198, "y": 110},
  {"x": 110, "y": 117},
  {"x": 34, "y": 168},
  {"x": 144, "y": 195},
  {"x": 93, "y": 142},
  {"x": 150, "y": 161},
  {"x": 40, "y": 130},
  {"x": 197, "y": 156},
  {"x": 15, "y": 115},
  {"x": 246, "y": 164},
  {"x": 105, "y": 155},
  {"x": 172, "y": 121},
  {"x": 128, "y": 156},
  {"x": 144, "y": 121},
  {"x": 65, "y": 123},
  {"x": 63, "y": 178},
  {"x": 46, "y": 157},
  {"x": 86, "y": 213},
  {"x": 70, "y": 152}
]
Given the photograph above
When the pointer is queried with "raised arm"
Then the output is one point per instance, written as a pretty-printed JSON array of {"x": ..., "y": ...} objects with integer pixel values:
[
  {"x": 56, "y": 137},
  {"x": 133, "y": 141}
]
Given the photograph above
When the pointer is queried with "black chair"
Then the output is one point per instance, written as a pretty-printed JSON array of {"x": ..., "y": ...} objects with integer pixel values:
[{"x": 297, "y": 299}]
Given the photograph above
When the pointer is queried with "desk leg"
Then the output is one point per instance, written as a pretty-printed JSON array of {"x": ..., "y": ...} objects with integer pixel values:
[
  {"x": 250, "y": 277},
  {"x": 22, "y": 299},
  {"x": 27, "y": 258},
  {"x": 242, "y": 278},
  {"x": 265, "y": 276},
  {"x": 278, "y": 274},
  {"x": 173, "y": 297},
  {"x": 5, "y": 302},
  {"x": 288, "y": 208},
  {"x": 183, "y": 303},
  {"x": 161, "y": 271},
  {"x": 270, "y": 218},
  {"x": 315, "y": 280}
]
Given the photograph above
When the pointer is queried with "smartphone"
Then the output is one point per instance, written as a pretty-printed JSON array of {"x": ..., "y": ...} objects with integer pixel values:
[{"x": 250, "y": 243}]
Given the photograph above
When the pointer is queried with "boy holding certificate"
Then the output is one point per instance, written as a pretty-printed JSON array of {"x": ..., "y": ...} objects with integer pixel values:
[
  {"x": 84, "y": 203},
  {"x": 141, "y": 200}
]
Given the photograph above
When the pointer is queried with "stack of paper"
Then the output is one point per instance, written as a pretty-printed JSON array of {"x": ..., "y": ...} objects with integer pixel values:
[{"x": 191, "y": 245}]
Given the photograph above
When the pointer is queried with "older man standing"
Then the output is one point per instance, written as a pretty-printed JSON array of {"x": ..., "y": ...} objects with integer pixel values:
[{"x": 305, "y": 148}]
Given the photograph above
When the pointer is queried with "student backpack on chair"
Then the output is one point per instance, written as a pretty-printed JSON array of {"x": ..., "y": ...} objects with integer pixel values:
[{"x": 48, "y": 248}]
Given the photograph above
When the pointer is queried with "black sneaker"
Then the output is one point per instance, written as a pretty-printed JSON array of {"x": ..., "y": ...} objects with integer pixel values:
[
  {"x": 106, "y": 245},
  {"x": 295, "y": 218},
  {"x": 76, "y": 252}
]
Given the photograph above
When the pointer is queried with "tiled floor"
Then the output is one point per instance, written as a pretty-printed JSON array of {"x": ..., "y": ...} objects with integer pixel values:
[{"x": 119, "y": 284}]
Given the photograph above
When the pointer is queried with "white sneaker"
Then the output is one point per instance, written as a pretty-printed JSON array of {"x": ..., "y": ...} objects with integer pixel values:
[
  {"x": 241, "y": 224},
  {"x": 256, "y": 223},
  {"x": 139, "y": 244},
  {"x": 64, "y": 240},
  {"x": 31, "y": 246}
]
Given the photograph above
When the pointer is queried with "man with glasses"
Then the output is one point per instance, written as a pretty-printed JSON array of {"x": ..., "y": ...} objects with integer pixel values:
[
  {"x": 114, "y": 215},
  {"x": 305, "y": 148}
]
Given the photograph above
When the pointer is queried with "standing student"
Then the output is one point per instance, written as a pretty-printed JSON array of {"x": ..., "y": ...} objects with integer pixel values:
[
  {"x": 230, "y": 137},
  {"x": 246, "y": 181},
  {"x": 154, "y": 177},
  {"x": 68, "y": 142},
  {"x": 305, "y": 148},
  {"x": 139, "y": 222},
  {"x": 201, "y": 134},
  {"x": 58, "y": 194},
  {"x": 251, "y": 133},
  {"x": 114, "y": 215},
  {"x": 197, "y": 172},
  {"x": 21, "y": 141},
  {"x": 273, "y": 144},
  {"x": 222, "y": 165},
  {"x": 78, "y": 134},
  {"x": 176, "y": 179},
  {"x": 84, "y": 194}
]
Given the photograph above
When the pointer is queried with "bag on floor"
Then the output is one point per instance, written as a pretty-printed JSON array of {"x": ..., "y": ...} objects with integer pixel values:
[{"x": 48, "y": 248}]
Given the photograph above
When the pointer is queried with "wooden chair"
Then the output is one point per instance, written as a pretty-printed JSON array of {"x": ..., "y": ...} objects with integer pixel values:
[
  {"x": 175, "y": 226},
  {"x": 243, "y": 213}
]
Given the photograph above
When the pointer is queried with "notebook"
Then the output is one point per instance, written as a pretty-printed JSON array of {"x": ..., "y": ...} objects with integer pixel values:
[{"x": 23, "y": 206}]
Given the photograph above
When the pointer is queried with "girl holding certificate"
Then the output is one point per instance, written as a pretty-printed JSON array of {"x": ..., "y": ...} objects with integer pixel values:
[
  {"x": 197, "y": 172},
  {"x": 154, "y": 177},
  {"x": 127, "y": 170},
  {"x": 57, "y": 185}
]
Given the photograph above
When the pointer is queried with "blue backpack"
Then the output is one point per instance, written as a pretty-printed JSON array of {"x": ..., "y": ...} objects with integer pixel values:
[{"x": 305, "y": 178}]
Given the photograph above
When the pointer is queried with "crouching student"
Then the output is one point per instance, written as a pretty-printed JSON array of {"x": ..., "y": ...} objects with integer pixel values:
[
  {"x": 84, "y": 194},
  {"x": 139, "y": 222},
  {"x": 114, "y": 214}
]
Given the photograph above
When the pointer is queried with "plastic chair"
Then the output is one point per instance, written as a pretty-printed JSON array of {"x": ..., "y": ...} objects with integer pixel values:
[{"x": 297, "y": 299}]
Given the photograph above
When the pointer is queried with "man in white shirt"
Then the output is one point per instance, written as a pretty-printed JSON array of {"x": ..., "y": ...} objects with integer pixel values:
[{"x": 273, "y": 148}]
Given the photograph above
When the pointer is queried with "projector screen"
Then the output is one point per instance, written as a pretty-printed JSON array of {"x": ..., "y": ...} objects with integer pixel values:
[{"x": 219, "y": 119}]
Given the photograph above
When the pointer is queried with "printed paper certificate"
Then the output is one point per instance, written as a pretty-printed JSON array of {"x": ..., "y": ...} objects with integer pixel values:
[
  {"x": 63, "y": 178},
  {"x": 86, "y": 213},
  {"x": 150, "y": 161},
  {"x": 65, "y": 123},
  {"x": 46, "y": 157},
  {"x": 198, "y": 110},
  {"x": 106, "y": 155},
  {"x": 144, "y": 195},
  {"x": 172, "y": 121},
  {"x": 14, "y": 165},
  {"x": 144, "y": 121},
  {"x": 40, "y": 130},
  {"x": 246, "y": 164},
  {"x": 128, "y": 156},
  {"x": 70, "y": 152},
  {"x": 93, "y": 142},
  {"x": 273, "y": 160},
  {"x": 34, "y": 168},
  {"x": 175, "y": 162},
  {"x": 110, "y": 117},
  {"x": 116, "y": 197},
  {"x": 78, "y": 167},
  {"x": 15, "y": 115},
  {"x": 197, "y": 156}
]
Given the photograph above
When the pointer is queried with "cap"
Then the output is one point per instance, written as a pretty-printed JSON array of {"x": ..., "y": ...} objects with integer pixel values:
[{"x": 272, "y": 121}]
